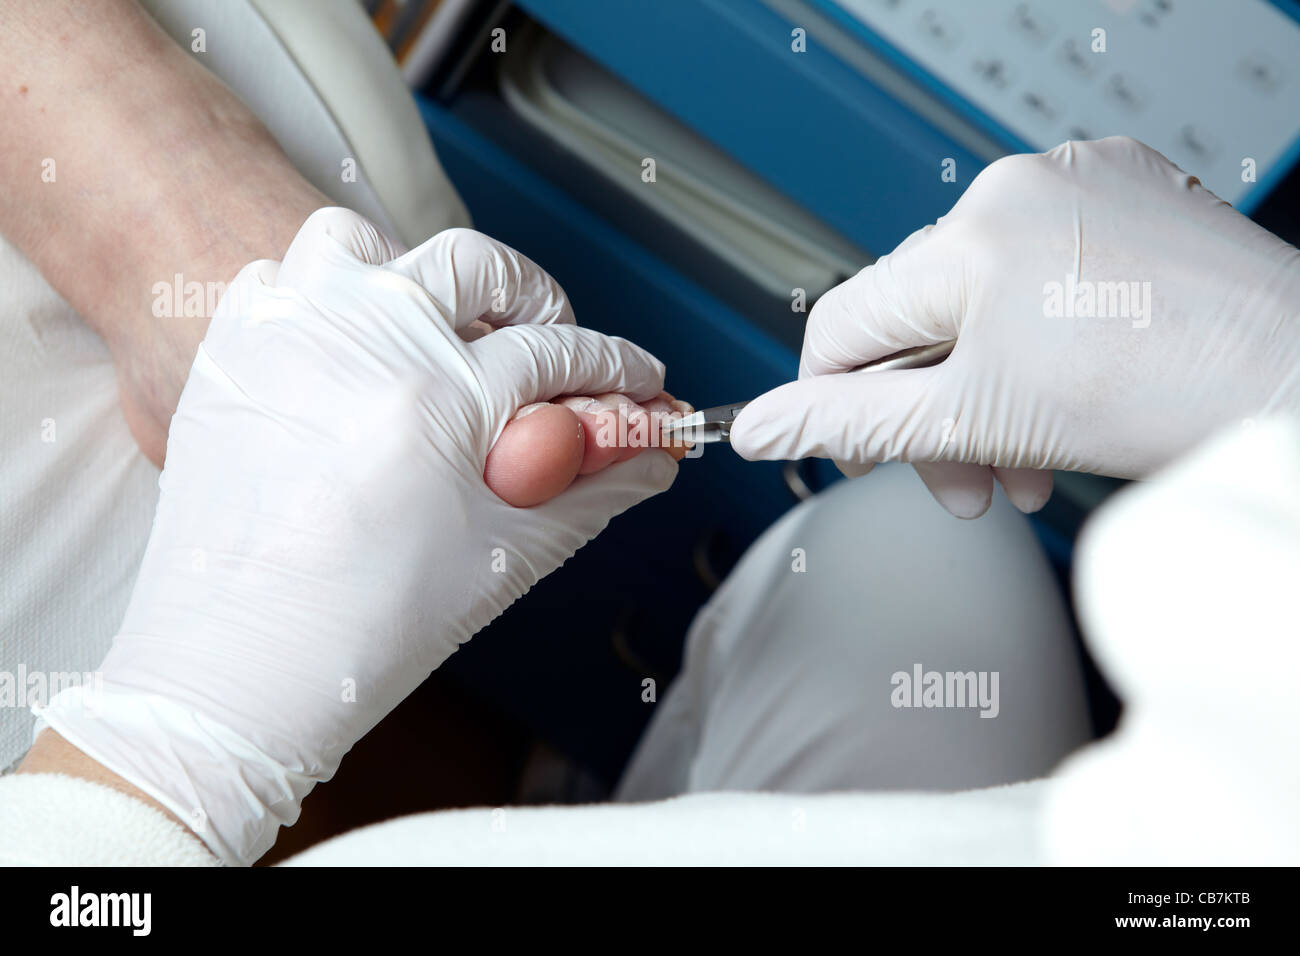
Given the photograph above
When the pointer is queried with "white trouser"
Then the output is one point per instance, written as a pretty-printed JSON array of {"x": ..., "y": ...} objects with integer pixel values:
[{"x": 789, "y": 677}]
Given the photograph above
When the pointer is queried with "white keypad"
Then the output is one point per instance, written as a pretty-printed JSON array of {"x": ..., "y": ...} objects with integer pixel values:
[{"x": 1209, "y": 83}]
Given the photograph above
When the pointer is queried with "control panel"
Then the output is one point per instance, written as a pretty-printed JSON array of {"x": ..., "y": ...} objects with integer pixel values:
[{"x": 1212, "y": 84}]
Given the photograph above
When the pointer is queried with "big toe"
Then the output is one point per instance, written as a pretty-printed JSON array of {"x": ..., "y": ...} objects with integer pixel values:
[{"x": 537, "y": 456}]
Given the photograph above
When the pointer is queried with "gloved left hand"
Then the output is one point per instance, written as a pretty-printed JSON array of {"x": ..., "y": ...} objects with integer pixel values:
[{"x": 324, "y": 537}]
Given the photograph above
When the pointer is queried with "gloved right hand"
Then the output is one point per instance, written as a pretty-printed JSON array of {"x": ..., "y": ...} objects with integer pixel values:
[{"x": 1109, "y": 313}]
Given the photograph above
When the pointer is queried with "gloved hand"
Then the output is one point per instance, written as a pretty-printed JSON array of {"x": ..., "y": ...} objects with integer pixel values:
[
  {"x": 1109, "y": 313},
  {"x": 324, "y": 536}
]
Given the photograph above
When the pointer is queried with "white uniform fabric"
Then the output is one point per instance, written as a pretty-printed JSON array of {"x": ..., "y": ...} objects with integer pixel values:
[
  {"x": 1188, "y": 610},
  {"x": 76, "y": 496},
  {"x": 1187, "y": 591},
  {"x": 787, "y": 684}
]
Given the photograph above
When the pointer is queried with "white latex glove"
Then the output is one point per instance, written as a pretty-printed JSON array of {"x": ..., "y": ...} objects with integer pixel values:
[
  {"x": 1033, "y": 383},
  {"x": 324, "y": 538}
]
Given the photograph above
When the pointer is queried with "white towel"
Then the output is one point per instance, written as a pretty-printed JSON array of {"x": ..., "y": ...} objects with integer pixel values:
[{"x": 53, "y": 820}]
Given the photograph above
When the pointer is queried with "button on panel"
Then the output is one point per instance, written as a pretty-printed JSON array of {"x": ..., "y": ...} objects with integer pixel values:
[
  {"x": 1038, "y": 105},
  {"x": 1121, "y": 90},
  {"x": 995, "y": 72},
  {"x": 1260, "y": 72},
  {"x": 937, "y": 29},
  {"x": 1077, "y": 59},
  {"x": 1030, "y": 23}
]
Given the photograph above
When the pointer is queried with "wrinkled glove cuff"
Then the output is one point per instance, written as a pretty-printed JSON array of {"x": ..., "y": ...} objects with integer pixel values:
[{"x": 232, "y": 795}]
